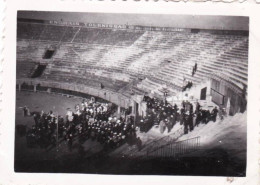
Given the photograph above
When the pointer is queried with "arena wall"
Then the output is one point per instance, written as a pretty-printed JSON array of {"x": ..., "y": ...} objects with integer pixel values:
[
  {"x": 234, "y": 98},
  {"x": 112, "y": 97}
]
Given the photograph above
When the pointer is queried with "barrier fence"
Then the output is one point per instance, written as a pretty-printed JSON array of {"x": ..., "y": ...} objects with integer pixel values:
[
  {"x": 165, "y": 140},
  {"x": 57, "y": 87},
  {"x": 175, "y": 149},
  {"x": 150, "y": 146}
]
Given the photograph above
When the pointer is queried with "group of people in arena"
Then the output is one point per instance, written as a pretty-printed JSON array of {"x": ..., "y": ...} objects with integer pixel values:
[
  {"x": 90, "y": 120},
  {"x": 96, "y": 121},
  {"x": 166, "y": 115}
]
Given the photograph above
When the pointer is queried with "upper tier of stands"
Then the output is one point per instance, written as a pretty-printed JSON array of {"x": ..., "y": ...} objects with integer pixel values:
[
  {"x": 46, "y": 32},
  {"x": 161, "y": 58}
]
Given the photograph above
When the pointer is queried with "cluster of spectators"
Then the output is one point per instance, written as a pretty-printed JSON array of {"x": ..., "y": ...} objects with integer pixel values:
[
  {"x": 167, "y": 115},
  {"x": 96, "y": 121},
  {"x": 43, "y": 133},
  {"x": 90, "y": 120}
]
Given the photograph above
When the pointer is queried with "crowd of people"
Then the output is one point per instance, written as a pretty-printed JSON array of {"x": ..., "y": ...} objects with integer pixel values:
[
  {"x": 90, "y": 120},
  {"x": 96, "y": 121},
  {"x": 166, "y": 115}
]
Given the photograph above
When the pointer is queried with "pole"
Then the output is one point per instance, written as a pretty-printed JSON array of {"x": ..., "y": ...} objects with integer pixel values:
[{"x": 57, "y": 135}]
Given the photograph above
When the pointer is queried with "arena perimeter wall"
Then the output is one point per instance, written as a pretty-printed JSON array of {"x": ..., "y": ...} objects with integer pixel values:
[{"x": 107, "y": 95}]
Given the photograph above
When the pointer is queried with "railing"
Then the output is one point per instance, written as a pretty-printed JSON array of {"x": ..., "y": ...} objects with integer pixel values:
[
  {"x": 151, "y": 146},
  {"x": 165, "y": 140},
  {"x": 175, "y": 149}
]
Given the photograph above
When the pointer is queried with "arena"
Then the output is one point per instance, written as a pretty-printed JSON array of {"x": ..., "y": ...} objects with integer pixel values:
[{"x": 112, "y": 98}]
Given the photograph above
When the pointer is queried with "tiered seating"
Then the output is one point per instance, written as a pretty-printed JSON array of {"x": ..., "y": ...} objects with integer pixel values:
[
  {"x": 29, "y": 31},
  {"x": 53, "y": 33},
  {"x": 69, "y": 34},
  {"x": 88, "y": 54},
  {"x": 31, "y": 50},
  {"x": 24, "y": 69},
  {"x": 79, "y": 77},
  {"x": 207, "y": 51},
  {"x": 235, "y": 65},
  {"x": 106, "y": 36},
  {"x": 144, "y": 55},
  {"x": 163, "y": 58}
]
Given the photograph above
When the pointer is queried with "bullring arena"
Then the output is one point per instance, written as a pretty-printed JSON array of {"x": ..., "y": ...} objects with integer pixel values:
[{"x": 130, "y": 99}]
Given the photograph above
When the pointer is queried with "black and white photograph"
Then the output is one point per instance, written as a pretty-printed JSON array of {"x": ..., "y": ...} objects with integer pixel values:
[{"x": 131, "y": 94}]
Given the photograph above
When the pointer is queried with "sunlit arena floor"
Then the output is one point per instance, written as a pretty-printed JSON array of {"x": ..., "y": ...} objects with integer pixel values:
[{"x": 222, "y": 153}]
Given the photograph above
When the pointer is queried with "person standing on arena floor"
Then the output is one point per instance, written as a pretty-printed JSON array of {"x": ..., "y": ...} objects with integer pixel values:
[{"x": 26, "y": 111}]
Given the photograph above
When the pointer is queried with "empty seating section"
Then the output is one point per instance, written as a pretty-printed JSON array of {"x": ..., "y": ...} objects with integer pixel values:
[
  {"x": 76, "y": 34},
  {"x": 163, "y": 58},
  {"x": 29, "y": 53},
  {"x": 235, "y": 67},
  {"x": 78, "y": 77},
  {"x": 53, "y": 33},
  {"x": 105, "y": 36},
  {"x": 210, "y": 53},
  {"x": 24, "y": 69},
  {"x": 70, "y": 34},
  {"x": 29, "y": 31},
  {"x": 31, "y": 50},
  {"x": 88, "y": 54}
]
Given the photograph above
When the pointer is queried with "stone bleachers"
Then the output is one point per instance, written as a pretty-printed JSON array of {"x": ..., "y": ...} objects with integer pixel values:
[
  {"x": 211, "y": 53},
  {"x": 70, "y": 33},
  {"x": 24, "y": 69},
  {"x": 76, "y": 34},
  {"x": 162, "y": 58},
  {"x": 106, "y": 36},
  {"x": 29, "y": 31},
  {"x": 31, "y": 50},
  {"x": 53, "y": 33},
  {"x": 79, "y": 77}
]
